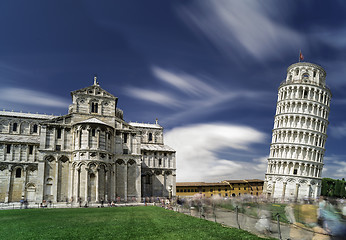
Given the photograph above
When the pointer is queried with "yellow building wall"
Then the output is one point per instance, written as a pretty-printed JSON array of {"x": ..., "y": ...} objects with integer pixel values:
[{"x": 222, "y": 191}]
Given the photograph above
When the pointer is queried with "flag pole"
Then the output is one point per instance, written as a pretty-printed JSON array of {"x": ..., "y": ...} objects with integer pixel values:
[{"x": 300, "y": 52}]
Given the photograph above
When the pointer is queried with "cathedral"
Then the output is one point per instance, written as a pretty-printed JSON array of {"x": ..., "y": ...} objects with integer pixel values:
[{"x": 89, "y": 155}]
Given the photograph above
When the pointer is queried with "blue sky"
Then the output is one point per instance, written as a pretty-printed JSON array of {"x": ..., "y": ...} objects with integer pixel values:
[{"x": 208, "y": 70}]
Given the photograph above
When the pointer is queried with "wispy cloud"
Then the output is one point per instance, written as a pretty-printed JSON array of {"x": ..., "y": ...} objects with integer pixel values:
[
  {"x": 197, "y": 147},
  {"x": 335, "y": 166},
  {"x": 193, "y": 97},
  {"x": 241, "y": 26},
  {"x": 184, "y": 82},
  {"x": 31, "y": 97},
  {"x": 338, "y": 131},
  {"x": 162, "y": 98}
]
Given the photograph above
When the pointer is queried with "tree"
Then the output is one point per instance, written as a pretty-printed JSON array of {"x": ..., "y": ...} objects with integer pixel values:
[
  {"x": 343, "y": 190},
  {"x": 333, "y": 188},
  {"x": 337, "y": 188}
]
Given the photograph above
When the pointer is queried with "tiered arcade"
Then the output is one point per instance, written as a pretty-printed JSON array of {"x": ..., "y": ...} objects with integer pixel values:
[{"x": 299, "y": 135}]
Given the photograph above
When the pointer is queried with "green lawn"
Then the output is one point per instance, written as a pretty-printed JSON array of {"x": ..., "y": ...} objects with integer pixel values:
[{"x": 110, "y": 223}]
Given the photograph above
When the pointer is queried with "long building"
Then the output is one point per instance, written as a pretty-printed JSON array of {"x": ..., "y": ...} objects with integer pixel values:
[
  {"x": 88, "y": 155},
  {"x": 226, "y": 188},
  {"x": 299, "y": 135}
]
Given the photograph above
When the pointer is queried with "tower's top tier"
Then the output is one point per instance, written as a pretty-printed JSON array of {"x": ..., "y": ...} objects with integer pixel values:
[{"x": 304, "y": 72}]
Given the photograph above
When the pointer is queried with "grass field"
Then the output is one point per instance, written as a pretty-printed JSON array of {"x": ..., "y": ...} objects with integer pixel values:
[{"x": 111, "y": 223}]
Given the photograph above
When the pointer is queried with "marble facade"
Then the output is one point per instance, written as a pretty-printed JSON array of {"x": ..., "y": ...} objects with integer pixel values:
[{"x": 90, "y": 154}]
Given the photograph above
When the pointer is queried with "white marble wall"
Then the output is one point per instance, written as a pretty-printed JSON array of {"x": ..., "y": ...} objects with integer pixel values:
[{"x": 295, "y": 161}]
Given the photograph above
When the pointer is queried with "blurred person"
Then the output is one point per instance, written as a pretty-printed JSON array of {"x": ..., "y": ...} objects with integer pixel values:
[
  {"x": 331, "y": 220},
  {"x": 263, "y": 224}
]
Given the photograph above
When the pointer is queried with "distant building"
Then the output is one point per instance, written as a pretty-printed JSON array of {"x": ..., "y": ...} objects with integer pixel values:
[
  {"x": 91, "y": 154},
  {"x": 226, "y": 188},
  {"x": 299, "y": 135}
]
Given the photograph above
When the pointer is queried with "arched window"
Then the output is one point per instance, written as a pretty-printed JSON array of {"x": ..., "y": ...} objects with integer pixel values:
[
  {"x": 8, "y": 148},
  {"x": 49, "y": 186},
  {"x": 34, "y": 128},
  {"x": 305, "y": 94},
  {"x": 31, "y": 149},
  {"x": 59, "y": 133},
  {"x": 94, "y": 107},
  {"x": 150, "y": 138},
  {"x": 305, "y": 77},
  {"x": 14, "y": 127},
  {"x": 18, "y": 173},
  {"x": 125, "y": 137},
  {"x": 147, "y": 179}
]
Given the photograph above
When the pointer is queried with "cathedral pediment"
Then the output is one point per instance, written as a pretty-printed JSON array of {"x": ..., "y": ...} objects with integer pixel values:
[
  {"x": 94, "y": 121},
  {"x": 93, "y": 90}
]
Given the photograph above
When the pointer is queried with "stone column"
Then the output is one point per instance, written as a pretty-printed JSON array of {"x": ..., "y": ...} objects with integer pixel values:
[
  {"x": 97, "y": 184},
  {"x": 98, "y": 139},
  {"x": 125, "y": 183},
  {"x": 34, "y": 153},
  {"x": 115, "y": 180},
  {"x": 54, "y": 139},
  {"x": 131, "y": 143},
  {"x": 73, "y": 138},
  {"x": 284, "y": 190},
  {"x": 63, "y": 139},
  {"x": 273, "y": 189},
  {"x": 138, "y": 182},
  {"x": 299, "y": 172},
  {"x": 40, "y": 181},
  {"x": 88, "y": 137},
  {"x": 56, "y": 180},
  {"x": 317, "y": 190},
  {"x": 43, "y": 137},
  {"x": 296, "y": 194},
  {"x": 164, "y": 187},
  {"x": 71, "y": 183},
  {"x": 106, "y": 140},
  {"x": 78, "y": 193},
  {"x": 86, "y": 184},
  {"x": 12, "y": 152},
  {"x": 106, "y": 185},
  {"x": 79, "y": 133},
  {"x": 25, "y": 176},
  {"x": 7, "y": 198},
  {"x": 20, "y": 152}
]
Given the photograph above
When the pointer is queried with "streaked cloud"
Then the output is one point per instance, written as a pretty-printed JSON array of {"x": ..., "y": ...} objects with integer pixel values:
[
  {"x": 191, "y": 95},
  {"x": 31, "y": 97},
  {"x": 242, "y": 26},
  {"x": 338, "y": 131},
  {"x": 334, "y": 166},
  {"x": 197, "y": 147},
  {"x": 184, "y": 82},
  {"x": 158, "y": 97}
]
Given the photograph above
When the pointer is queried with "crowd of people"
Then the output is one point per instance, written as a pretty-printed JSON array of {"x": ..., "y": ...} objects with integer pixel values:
[{"x": 324, "y": 218}]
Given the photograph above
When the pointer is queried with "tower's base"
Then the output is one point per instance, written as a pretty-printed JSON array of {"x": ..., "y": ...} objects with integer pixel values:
[{"x": 291, "y": 188}]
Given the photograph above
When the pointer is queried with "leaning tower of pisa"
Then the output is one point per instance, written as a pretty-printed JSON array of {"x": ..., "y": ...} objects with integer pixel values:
[{"x": 299, "y": 135}]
